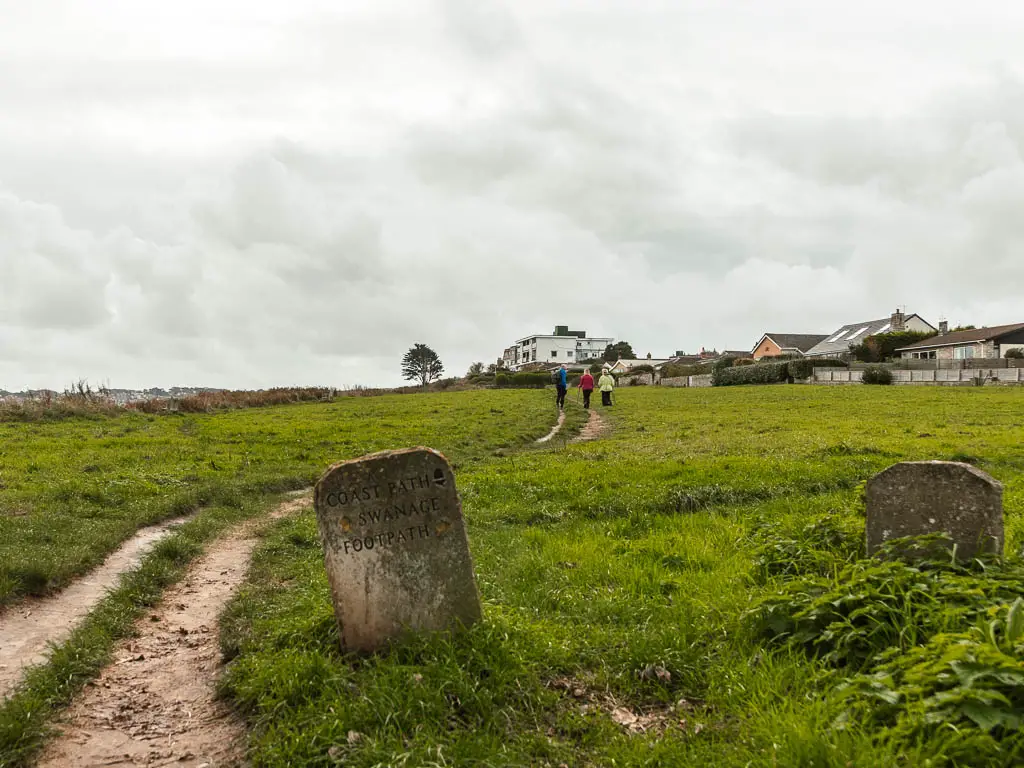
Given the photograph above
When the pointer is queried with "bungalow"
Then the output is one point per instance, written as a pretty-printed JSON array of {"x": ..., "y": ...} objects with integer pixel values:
[
  {"x": 838, "y": 343},
  {"x": 965, "y": 345},
  {"x": 775, "y": 344},
  {"x": 625, "y": 366}
]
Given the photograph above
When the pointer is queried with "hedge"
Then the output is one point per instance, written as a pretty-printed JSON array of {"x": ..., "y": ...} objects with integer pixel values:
[
  {"x": 671, "y": 371},
  {"x": 764, "y": 373},
  {"x": 534, "y": 380}
]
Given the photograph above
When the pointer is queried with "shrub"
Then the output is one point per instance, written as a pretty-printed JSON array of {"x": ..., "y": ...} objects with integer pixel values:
[
  {"x": 739, "y": 361},
  {"x": 876, "y": 374},
  {"x": 873, "y": 605},
  {"x": 1016, "y": 353},
  {"x": 527, "y": 379},
  {"x": 644, "y": 368},
  {"x": 932, "y": 648},
  {"x": 970, "y": 683},
  {"x": 674, "y": 370},
  {"x": 804, "y": 367},
  {"x": 763, "y": 373}
]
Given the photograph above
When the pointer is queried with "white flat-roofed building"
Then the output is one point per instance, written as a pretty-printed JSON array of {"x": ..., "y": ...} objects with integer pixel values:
[{"x": 563, "y": 346}]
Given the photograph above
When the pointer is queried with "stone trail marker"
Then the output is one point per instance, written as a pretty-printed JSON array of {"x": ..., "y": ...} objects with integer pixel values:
[
  {"x": 917, "y": 497},
  {"x": 395, "y": 547}
]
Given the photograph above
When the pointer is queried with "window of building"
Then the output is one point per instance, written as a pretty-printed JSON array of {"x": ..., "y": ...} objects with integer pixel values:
[
  {"x": 568, "y": 353},
  {"x": 554, "y": 353},
  {"x": 963, "y": 353}
]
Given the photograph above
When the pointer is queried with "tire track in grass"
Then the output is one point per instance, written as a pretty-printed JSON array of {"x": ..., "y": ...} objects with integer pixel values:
[
  {"x": 29, "y": 628},
  {"x": 554, "y": 430},
  {"x": 156, "y": 703}
]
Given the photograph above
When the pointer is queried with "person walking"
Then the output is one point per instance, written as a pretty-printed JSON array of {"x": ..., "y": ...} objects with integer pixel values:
[
  {"x": 586, "y": 386},
  {"x": 607, "y": 384},
  {"x": 561, "y": 386}
]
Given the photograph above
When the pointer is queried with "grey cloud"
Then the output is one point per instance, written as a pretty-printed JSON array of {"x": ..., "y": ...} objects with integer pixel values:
[
  {"x": 301, "y": 198},
  {"x": 920, "y": 155},
  {"x": 484, "y": 28},
  {"x": 49, "y": 274}
]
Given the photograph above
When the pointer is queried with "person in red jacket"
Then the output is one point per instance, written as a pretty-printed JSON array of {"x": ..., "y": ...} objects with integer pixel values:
[{"x": 587, "y": 386}]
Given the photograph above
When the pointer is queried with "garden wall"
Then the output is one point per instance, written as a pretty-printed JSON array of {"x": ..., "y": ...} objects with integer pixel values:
[{"x": 940, "y": 377}]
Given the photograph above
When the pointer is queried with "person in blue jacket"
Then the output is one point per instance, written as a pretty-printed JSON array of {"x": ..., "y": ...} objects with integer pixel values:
[{"x": 561, "y": 385}]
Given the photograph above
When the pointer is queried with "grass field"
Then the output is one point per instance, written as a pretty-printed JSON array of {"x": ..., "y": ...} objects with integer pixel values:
[
  {"x": 688, "y": 590},
  {"x": 72, "y": 490},
  {"x": 698, "y": 572}
]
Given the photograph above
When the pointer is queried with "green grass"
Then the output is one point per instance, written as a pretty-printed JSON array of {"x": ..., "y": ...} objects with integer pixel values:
[
  {"x": 71, "y": 491},
  {"x": 606, "y": 565},
  {"x": 61, "y": 477}
]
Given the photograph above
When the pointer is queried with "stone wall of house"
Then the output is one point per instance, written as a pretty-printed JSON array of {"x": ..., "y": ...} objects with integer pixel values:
[
  {"x": 675, "y": 381},
  {"x": 703, "y": 380},
  {"x": 637, "y": 380},
  {"x": 982, "y": 349}
]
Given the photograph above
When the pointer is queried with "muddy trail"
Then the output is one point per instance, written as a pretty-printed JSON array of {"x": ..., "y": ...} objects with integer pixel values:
[
  {"x": 155, "y": 704},
  {"x": 28, "y": 628},
  {"x": 593, "y": 429}
]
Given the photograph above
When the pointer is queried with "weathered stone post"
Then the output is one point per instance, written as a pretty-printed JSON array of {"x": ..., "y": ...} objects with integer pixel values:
[
  {"x": 918, "y": 497},
  {"x": 395, "y": 547}
]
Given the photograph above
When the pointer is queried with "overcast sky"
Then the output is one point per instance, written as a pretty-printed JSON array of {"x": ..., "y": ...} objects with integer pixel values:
[{"x": 250, "y": 193}]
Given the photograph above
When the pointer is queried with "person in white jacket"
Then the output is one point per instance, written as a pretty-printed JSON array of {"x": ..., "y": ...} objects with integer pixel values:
[{"x": 606, "y": 384}]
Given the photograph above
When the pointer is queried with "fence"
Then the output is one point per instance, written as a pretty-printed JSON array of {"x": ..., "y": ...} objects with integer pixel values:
[
  {"x": 984, "y": 363},
  {"x": 940, "y": 377}
]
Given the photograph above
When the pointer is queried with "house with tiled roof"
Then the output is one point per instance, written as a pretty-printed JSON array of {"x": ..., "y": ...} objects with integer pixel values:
[
  {"x": 839, "y": 341},
  {"x": 775, "y": 344},
  {"x": 965, "y": 345}
]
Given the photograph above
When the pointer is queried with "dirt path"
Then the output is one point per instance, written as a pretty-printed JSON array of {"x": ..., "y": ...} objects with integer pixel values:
[
  {"x": 593, "y": 429},
  {"x": 27, "y": 629},
  {"x": 555, "y": 429},
  {"x": 155, "y": 705}
]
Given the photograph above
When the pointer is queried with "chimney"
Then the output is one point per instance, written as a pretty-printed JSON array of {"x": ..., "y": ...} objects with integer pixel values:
[
  {"x": 943, "y": 327},
  {"x": 896, "y": 321}
]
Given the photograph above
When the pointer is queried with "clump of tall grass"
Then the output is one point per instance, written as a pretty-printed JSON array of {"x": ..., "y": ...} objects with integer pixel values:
[
  {"x": 204, "y": 402},
  {"x": 79, "y": 400},
  {"x": 82, "y": 401}
]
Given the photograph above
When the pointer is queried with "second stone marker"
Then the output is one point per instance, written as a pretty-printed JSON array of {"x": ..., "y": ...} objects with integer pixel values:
[{"x": 395, "y": 547}]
